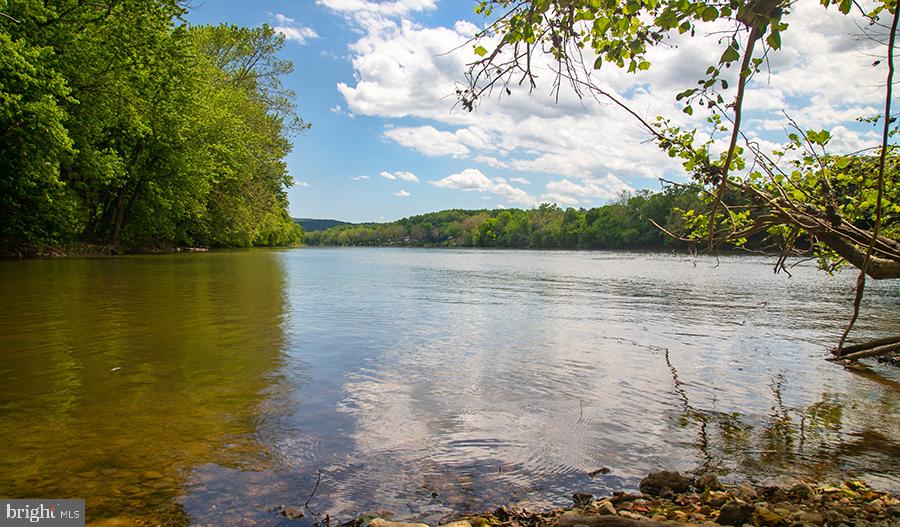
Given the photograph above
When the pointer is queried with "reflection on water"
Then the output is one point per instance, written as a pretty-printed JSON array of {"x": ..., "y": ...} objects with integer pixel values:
[
  {"x": 120, "y": 375},
  {"x": 423, "y": 382}
]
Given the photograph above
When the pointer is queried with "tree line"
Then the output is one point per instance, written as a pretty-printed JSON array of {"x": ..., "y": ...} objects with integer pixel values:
[
  {"x": 122, "y": 125},
  {"x": 627, "y": 223}
]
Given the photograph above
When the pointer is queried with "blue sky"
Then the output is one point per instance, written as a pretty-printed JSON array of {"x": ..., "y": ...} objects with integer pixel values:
[{"x": 377, "y": 79}]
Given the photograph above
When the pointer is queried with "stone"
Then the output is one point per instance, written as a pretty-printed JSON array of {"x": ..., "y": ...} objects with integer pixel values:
[
  {"x": 716, "y": 499},
  {"x": 802, "y": 491},
  {"x": 767, "y": 518},
  {"x": 458, "y": 523},
  {"x": 813, "y": 518},
  {"x": 658, "y": 483},
  {"x": 834, "y": 517},
  {"x": 746, "y": 492},
  {"x": 381, "y": 522},
  {"x": 736, "y": 514},
  {"x": 291, "y": 512},
  {"x": 605, "y": 508},
  {"x": 709, "y": 481}
]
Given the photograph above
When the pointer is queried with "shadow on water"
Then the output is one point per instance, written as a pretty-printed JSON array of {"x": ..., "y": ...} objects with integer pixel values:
[{"x": 119, "y": 375}]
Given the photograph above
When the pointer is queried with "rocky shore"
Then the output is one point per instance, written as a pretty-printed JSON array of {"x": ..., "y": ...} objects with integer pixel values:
[{"x": 668, "y": 499}]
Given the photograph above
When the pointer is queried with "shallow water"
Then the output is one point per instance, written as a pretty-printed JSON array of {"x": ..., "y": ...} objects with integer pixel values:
[{"x": 210, "y": 388}]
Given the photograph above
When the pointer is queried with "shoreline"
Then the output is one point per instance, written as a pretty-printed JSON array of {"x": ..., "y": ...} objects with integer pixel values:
[{"x": 669, "y": 499}]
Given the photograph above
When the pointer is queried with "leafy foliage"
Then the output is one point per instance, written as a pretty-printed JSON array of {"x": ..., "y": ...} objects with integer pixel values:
[
  {"x": 122, "y": 125},
  {"x": 625, "y": 224}
]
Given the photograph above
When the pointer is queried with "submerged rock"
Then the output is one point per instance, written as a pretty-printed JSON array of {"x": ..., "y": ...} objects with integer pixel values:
[
  {"x": 658, "y": 483},
  {"x": 291, "y": 512}
]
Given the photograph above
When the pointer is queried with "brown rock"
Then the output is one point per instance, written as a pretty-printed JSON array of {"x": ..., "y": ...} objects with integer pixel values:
[
  {"x": 746, "y": 492},
  {"x": 766, "y": 518},
  {"x": 709, "y": 481},
  {"x": 808, "y": 517},
  {"x": 458, "y": 523},
  {"x": 658, "y": 483},
  {"x": 380, "y": 522},
  {"x": 802, "y": 491},
  {"x": 735, "y": 514},
  {"x": 606, "y": 508}
]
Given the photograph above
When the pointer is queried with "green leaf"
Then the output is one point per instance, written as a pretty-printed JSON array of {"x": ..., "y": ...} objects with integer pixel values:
[
  {"x": 730, "y": 55},
  {"x": 774, "y": 40},
  {"x": 709, "y": 14},
  {"x": 480, "y": 51}
]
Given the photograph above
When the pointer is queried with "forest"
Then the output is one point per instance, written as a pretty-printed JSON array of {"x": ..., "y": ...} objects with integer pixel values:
[
  {"x": 123, "y": 126},
  {"x": 628, "y": 223}
]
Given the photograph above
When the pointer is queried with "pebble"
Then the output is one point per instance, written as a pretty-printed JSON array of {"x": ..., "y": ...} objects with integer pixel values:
[
  {"x": 709, "y": 481},
  {"x": 735, "y": 514},
  {"x": 745, "y": 492},
  {"x": 657, "y": 483},
  {"x": 606, "y": 508},
  {"x": 380, "y": 522}
]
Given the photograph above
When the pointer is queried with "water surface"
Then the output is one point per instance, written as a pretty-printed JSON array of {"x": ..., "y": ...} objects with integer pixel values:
[{"x": 211, "y": 388}]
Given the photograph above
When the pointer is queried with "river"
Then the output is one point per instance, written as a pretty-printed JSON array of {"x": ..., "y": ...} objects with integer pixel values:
[{"x": 211, "y": 388}]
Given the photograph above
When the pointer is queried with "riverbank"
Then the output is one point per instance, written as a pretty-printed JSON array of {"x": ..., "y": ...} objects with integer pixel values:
[
  {"x": 670, "y": 499},
  {"x": 88, "y": 250}
]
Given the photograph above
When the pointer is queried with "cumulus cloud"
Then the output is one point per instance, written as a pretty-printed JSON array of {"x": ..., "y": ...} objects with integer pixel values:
[
  {"x": 360, "y": 178},
  {"x": 390, "y": 8},
  {"x": 403, "y": 176},
  {"x": 292, "y": 30},
  {"x": 520, "y": 180},
  {"x": 473, "y": 180},
  {"x": 301, "y": 184},
  {"x": 403, "y": 69},
  {"x": 586, "y": 191},
  {"x": 402, "y": 193}
]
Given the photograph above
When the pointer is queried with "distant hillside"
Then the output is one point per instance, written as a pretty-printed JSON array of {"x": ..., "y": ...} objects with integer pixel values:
[{"x": 312, "y": 224}]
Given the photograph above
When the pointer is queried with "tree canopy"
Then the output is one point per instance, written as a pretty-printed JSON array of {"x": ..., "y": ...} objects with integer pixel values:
[
  {"x": 628, "y": 223},
  {"x": 120, "y": 124}
]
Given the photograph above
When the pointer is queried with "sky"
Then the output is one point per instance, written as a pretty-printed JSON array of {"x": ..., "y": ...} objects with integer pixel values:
[{"x": 377, "y": 80}]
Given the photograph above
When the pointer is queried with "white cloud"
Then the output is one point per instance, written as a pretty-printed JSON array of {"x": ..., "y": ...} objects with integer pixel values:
[
  {"x": 405, "y": 69},
  {"x": 337, "y": 109},
  {"x": 587, "y": 191},
  {"x": 402, "y": 193},
  {"x": 428, "y": 140},
  {"x": 360, "y": 178},
  {"x": 390, "y": 8},
  {"x": 404, "y": 176},
  {"x": 559, "y": 199},
  {"x": 293, "y": 31},
  {"x": 301, "y": 184},
  {"x": 472, "y": 179},
  {"x": 520, "y": 180}
]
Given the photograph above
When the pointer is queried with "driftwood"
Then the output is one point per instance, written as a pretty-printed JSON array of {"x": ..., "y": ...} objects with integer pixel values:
[
  {"x": 870, "y": 344},
  {"x": 573, "y": 520},
  {"x": 870, "y": 352}
]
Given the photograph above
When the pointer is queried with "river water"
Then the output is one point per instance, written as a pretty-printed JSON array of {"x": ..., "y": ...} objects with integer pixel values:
[{"x": 211, "y": 388}]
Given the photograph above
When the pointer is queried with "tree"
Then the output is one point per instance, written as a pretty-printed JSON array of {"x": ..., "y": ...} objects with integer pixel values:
[
  {"x": 122, "y": 125},
  {"x": 797, "y": 201}
]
